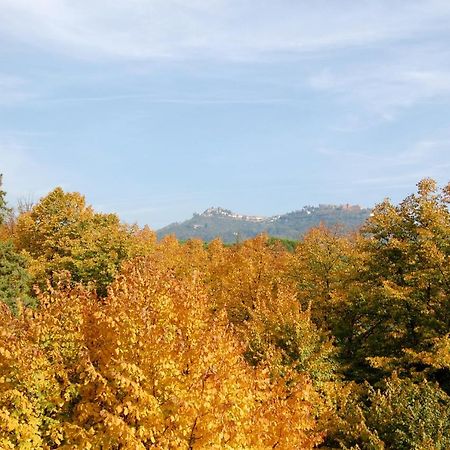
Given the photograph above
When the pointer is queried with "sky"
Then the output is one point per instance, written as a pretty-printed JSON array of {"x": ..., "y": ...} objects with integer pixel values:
[{"x": 156, "y": 109}]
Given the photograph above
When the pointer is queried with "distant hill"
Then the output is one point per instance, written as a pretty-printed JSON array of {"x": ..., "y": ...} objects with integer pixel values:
[{"x": 232, "y": 227}]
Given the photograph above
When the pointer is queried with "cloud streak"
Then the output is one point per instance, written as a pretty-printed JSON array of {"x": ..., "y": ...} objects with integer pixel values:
[
  {"x": 221, "y": 29},
  {"x": 385, "y": 90},
  {"x": 391, "y": 72},
  {"x": 395, "y": 169},
  {"x": 183, "y": 101}
]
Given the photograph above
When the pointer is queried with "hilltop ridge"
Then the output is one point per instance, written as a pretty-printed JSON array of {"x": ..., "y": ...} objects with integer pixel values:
[{"x": 230, "y": 226}]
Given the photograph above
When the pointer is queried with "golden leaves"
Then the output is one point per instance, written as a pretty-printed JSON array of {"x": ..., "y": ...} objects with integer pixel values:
[{"x": 151, "y": 366}]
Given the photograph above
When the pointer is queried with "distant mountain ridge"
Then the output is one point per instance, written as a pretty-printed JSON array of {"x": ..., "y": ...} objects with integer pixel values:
[{"x": 231, "y": 227}]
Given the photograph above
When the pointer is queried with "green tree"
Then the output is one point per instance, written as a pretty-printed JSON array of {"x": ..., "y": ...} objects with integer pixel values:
[
  {"x": 409, "y": 415},
  {"x": 62, "y": 235},
  {"x": 14, "y": 278},
  {"x": 403, "y": 301}
]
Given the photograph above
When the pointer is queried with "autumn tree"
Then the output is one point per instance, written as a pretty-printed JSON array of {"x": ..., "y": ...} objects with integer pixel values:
[
  {"x": 149, "y": 367},
  {"x": 406, "y": 277},
  {"x": 341, "y": 340},
  {"x": 61, "y": 234},
  {"x": 244, "y": 274},
  {"x": 384, "y": 295},
  {"x": 324, "y": 267}
]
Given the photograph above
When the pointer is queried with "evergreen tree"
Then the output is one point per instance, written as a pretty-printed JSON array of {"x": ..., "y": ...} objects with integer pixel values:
[{"x": 14, "y": 277}]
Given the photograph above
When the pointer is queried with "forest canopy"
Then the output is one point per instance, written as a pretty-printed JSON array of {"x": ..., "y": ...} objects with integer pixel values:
[{"x": 111, "y": 339}]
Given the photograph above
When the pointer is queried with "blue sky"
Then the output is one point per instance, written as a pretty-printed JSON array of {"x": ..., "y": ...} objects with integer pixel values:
[{"x": 155, "y": 109}]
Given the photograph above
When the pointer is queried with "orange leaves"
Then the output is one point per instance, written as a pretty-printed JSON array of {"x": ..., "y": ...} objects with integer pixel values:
[
  {"x": 150, "y": 366},
  {"x": 196, "y": 346}
]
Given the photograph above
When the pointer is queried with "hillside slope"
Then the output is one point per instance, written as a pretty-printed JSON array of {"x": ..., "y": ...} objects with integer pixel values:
[{"x": 232, "y": 227}]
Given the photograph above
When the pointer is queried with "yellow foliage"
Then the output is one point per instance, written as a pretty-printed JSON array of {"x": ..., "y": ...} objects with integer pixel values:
[
  {"x": 149, "y": 366},
  {"x": 62, "y": 234}
]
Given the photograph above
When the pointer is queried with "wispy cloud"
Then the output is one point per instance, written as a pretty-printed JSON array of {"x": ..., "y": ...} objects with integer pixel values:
[
  {"x": 387, "y": 84},
  {"x": 427, "y": 157},
  {"x": 180, "y": 100},
  {"x": 227, "y": 29},
  {"x": 381, "y": 83}
]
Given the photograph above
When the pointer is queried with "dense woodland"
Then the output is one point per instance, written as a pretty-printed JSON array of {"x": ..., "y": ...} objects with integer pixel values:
[{"x": 111, "y": 339}]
